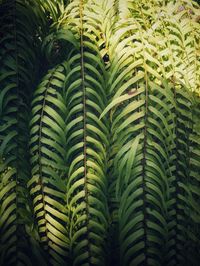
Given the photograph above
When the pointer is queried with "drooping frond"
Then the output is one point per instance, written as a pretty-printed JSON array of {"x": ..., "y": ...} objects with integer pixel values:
[
  {"x": 193, "y": 195},
  {"x": 87, "y": 145},
  {"x": 148, "y": 115},
  {"x": 49, "y": 168},
  {"x": 137, "y": 126},
  {"x": 16, "y": 75}
]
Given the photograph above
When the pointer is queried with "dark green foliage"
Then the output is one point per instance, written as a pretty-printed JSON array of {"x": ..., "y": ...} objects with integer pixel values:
[{"x": 99, "y": 132}]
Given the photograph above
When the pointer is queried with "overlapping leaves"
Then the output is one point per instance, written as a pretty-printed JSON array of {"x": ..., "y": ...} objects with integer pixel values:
[{"x": 114, "y": 135}]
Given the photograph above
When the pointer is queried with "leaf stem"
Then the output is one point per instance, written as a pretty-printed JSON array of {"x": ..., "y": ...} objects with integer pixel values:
[{"x": 84, "y": 119}]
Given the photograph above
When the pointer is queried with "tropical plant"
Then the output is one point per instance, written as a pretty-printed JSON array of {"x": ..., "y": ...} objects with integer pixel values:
[{"x": 99, "y": 132}]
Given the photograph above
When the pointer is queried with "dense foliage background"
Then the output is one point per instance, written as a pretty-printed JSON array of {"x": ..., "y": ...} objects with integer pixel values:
[{"x": 99, "y": 132}]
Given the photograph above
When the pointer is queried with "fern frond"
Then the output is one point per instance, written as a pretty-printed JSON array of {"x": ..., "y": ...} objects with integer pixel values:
[
  {"x": 17, "y": 73},
  {"x": 87, "y": 145},
  {"x": 49, "y": 167},
  {"x": 193, "y": 197},
  {"x": 114, "y": 132},
  {"x": 142, "y": 120}
]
